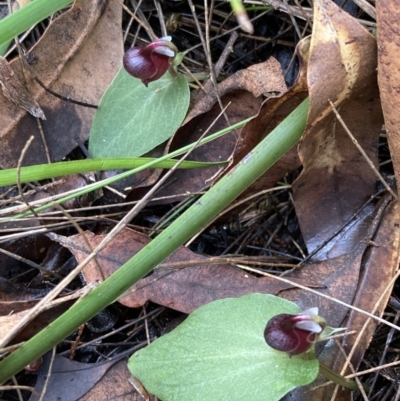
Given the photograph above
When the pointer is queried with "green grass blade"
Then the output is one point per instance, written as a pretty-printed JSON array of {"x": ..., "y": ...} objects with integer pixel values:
[
  {"x": 28, "y": 16},
  {"x": 97, "y": 185},
  {"x": 43, "y": 171}
]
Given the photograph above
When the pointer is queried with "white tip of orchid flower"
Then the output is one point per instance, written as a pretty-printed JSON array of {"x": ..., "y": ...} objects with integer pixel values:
[
  {"x": 309, "y": 325},
  {"x": 310, "y": 311},
  {"x": 167, "y": 38},
  {"x": 165, "y": 51}
]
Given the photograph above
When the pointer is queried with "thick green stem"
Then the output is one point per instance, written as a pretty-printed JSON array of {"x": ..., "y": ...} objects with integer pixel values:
[{"x": 253, "y": 165}]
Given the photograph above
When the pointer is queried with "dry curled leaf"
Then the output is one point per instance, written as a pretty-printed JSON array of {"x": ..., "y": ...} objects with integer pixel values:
[
  {"x": 336, "y": 179},
  {"x": 388, "y": 17},
  {"x": 70, "y": 379},
  {"x": 15, "y": 91},
  {"x": 257, "y": 79},
  {"x": 115, "y": 385},
  {"x": 184, "y": 282}
]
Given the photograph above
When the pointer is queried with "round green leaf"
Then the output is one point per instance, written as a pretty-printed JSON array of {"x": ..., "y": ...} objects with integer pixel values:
[
  {"x": 133, "y": 119},
  {"x": 219, "y": 353}
]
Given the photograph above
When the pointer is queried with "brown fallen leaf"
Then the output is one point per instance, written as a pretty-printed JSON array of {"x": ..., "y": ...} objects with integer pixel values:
[
  {"x": 71, "y": 379},
  {"x": 78, "y": 56},
  {"x": 183, "y": 289},
  {"x": 336, "y": 180},
  {"x": 16, "y": 92},
  {"x": 257, "y": 79},
  {"x": 114, "y": 385},
  {"x": 275, "y": 109},
  {"x": 374, "y": 286},
  {"x": 32, "y": 248},
  {"x": 338, "y": 278},
  {"x": 15, "y": 298},
  {"x": 7, "y": 323},
  {"x": 388, "y": 16}
]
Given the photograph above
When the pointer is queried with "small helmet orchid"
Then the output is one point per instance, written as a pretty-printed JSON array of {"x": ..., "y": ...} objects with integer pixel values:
[
  {"x": 294, "y": 334},
  {"x": 150, "y": 62}
]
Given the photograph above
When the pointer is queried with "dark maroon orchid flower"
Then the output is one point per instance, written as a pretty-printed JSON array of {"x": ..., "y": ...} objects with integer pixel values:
[
  {"x": 151, "y": 62},
  {"x": 294, "y": 334}
]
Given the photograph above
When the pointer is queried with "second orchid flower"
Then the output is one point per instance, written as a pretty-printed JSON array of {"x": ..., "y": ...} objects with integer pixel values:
[{"x": 294, "y": 334}]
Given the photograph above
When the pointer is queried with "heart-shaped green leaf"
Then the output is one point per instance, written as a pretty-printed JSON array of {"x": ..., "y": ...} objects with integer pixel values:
[
  {"x": 133, "y": 119},
  {"x": 219, "y": 353}
]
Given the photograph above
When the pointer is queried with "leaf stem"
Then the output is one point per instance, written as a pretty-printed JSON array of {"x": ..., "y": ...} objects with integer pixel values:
[{"x": 336, "y": 378}]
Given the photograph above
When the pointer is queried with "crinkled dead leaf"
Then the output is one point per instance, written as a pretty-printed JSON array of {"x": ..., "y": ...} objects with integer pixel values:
[
  {"x": 336, "y": 180},
  {"x": 15, "y": 297},
  {"x": 388, "y": 17},
  {"x": 272, "y": 112},
  {"x": 114, "y": 385},
  {"x": 7, "y": 323},
  {"x": 15, "y": 91},
  {"x": 184, "y": 282},
  {"x": 257, "y": 79},
  {"x": 70, "y": 379}
]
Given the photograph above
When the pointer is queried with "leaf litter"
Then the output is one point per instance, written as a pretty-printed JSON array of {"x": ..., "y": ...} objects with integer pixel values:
[
  {"x": 335, "y": 179},
  {"x": 80, "y": 66}
]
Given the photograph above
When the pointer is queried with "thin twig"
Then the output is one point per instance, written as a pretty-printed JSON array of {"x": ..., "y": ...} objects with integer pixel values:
[
  {"x": 29, "y": 263},
  {"x": 20, "y": 160},
  {"x": 210, "y": 63},
  {"x": 294, "y": 22},
  {"x": 147, "y": 27},
  {"x": 366, "y": 7},
  {"x": 373, "y": 370},
  {"x": 359, "y": 384},
  {"x": 161, "y": 17},
  {"x": 44, "y": 141},
  {"x": 31, "y": 389},
  {"x": 49, "y": 372},
  {"x": 17, "y": 389}
]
